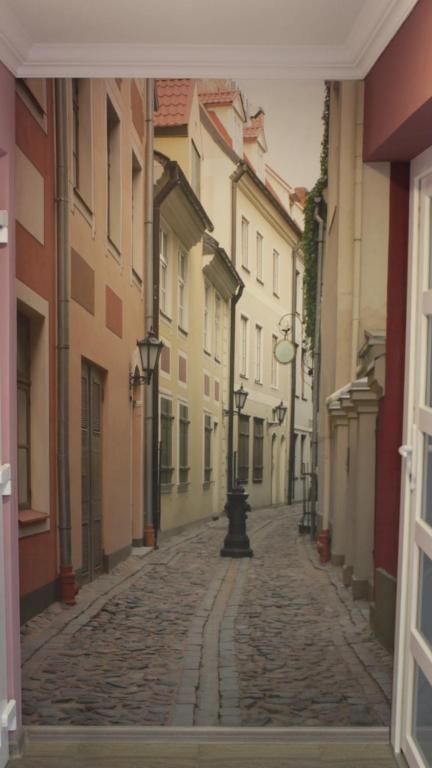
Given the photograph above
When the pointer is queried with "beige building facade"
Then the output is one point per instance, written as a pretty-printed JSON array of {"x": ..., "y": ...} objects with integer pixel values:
[
  {"x": 106, "y": 184},
  {"x": 201, "y": 125},
  {"x": 353, "y": 323}
]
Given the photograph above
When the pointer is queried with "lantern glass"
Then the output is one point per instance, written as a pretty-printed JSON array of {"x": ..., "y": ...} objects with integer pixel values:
[
  {"x": 240, "y": 397},
  {"x": 150, "y": 348},
  {"x": 280, "y": 412}
]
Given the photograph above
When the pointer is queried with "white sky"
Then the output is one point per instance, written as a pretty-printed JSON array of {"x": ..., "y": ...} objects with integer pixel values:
[{"x": 293, "y": 125}]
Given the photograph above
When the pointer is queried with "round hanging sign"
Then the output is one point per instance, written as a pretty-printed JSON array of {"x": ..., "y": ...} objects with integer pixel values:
[{"x": 284, "y": 351}]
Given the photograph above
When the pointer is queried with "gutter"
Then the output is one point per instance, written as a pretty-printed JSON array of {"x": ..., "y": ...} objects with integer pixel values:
[
  {"x": 316, "y": 374},
  {"x": 149, "y": 414},
  {"x": 68, "y": 587},
  {"x": 235, "y": 178}
]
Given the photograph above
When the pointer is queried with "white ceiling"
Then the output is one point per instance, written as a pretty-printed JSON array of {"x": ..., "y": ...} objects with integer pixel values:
[{"x": 275, "y": 38}]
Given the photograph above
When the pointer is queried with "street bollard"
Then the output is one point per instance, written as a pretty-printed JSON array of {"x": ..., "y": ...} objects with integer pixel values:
[{"x": 236, "y": 542}]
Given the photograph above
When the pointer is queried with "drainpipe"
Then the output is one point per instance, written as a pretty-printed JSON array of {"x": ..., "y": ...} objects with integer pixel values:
[
  {"x": 153, "y": 321},
  {"x": 149, "y": 319},
  {"x": 68, "y": 586},
  {"x": 316, "y": 373},
  {"x": 235, "y": 178},
  {"x": 291, "y": 470}
]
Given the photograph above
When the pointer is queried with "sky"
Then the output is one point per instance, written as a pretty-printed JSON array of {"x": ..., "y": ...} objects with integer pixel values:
[{"x": 293, "y": 125}]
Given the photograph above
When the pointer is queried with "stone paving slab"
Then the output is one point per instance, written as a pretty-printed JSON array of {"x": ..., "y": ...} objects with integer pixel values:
[{"x": 293, "y": 649}]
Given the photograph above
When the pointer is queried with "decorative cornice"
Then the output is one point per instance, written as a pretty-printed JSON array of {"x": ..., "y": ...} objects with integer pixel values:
[{"x": 373, "y": 31}]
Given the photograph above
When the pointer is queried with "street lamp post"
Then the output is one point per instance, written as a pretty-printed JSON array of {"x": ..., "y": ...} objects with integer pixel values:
[{"x": 236, "y": 543}]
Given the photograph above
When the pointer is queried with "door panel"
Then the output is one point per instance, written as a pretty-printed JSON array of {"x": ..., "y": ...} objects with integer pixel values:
[
  {"x": 417, "y": 735},
  {"x": 91, "y": 472}
]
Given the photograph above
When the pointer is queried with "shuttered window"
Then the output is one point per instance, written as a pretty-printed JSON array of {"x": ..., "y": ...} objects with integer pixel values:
[
  {"x": 258, "y": 450},
  {"x": 183, "y": 444},
  {"x": 166, "y": 456},
  {"x": 207, "y": 448},
  {"x": 243, "y": 449}
]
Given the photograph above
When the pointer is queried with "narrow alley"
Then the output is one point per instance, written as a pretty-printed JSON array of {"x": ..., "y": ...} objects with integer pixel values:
[{"x": 181, "y": 637}]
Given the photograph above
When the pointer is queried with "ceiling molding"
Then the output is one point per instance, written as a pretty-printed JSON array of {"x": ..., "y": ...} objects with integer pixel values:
[
  {"x": 15, "y": 43},
  {"x": 373, "y": 31}
]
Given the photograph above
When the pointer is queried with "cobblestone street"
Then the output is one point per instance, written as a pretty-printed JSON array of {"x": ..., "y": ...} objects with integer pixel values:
[{"x": 183, "y": 637}]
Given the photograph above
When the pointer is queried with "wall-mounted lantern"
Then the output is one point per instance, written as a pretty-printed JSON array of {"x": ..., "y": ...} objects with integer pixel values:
[{"x": 150, "y": 349}]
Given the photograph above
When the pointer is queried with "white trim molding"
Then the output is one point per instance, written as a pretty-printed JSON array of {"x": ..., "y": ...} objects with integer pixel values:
[{"x": 372, "y": 32}]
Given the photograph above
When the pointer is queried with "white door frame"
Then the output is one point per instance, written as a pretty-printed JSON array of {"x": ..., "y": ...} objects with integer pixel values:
[{"x": 407, "y": 567}]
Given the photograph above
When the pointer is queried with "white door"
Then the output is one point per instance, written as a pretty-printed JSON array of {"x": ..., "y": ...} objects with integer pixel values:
[
  {"x": 413, "y": 689},
  {"x": 4, "y": 705}
]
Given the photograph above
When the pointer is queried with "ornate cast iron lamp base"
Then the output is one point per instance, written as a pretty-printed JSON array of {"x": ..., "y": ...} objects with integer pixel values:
[{"x": 236, "y": 542}]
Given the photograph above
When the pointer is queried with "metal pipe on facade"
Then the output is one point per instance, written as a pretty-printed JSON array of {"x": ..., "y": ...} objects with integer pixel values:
[
  {"x": 149, "y": 319},
  {"x": 316, "y": 371},
  {"x": 291, "y": 468},
  {"x": 235, "y": 178},
  {"x": 67, "y": 576}
]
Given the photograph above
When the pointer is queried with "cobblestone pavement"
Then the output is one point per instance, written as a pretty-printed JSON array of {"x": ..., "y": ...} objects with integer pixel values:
[{"x": 183, "y": 637}]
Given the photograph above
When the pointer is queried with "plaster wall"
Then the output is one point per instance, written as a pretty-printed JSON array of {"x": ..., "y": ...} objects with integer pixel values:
[
  {"x": 9, "y": 555},
  {"x": 96, "y": 335},
  {"x": 36, "y": 273},
  {"x": 261, "y": 306}
]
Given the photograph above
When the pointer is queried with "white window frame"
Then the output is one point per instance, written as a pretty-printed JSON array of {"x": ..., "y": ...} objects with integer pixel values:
[
  {"x": 276, "y": 272},
  {"x": 244, "y": 346},
  {"x": 218, "y": 327},
  {"x": 164, "y": 269},
  {"x": 180, "y": 482},
  {"x": 207, "y": 317},
  {"x": 182, "y": 289},
  {"x": 274, "y": 365},
  {"x": 259, "y": 257},
  {"x": 259, "y": 336},
  {"x": 245, "y": 243}
]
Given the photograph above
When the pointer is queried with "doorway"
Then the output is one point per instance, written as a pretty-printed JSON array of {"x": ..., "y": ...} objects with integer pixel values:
[
  {"x": 413, "y": 711},
  {"x": 91, "y": 470}
]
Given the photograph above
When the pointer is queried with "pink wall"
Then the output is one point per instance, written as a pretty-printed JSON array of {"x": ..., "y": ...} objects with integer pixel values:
[
  {"x": 8, "y": 377},
  {"x": 398, "y": 92}
]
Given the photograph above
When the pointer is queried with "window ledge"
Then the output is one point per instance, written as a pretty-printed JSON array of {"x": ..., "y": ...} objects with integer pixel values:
[
  {"x": 113, "y": 249},
  {"x": 258, "y": 381},
  {"x": 246, "y": 269},
  {"x": 165, "y": 316},
  {"x": 88, "y": 212},
  {"x": 276, "y": 295},
  {"x": 183, "y": 331},
  {"x": 207, "y": 352},
  {"x": 243, "y": 376},
  {"x": 261, "y": 282},
  {"x": 136, "y": 277},
  {"x": 31, "y": 517},
  {"x": 166, "y": 487},
  {"x": 183, "y": 487}
]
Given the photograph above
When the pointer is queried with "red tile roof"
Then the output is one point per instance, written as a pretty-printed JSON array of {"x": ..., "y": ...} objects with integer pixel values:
[
  {"x": 223, "y": 98},
  {"x": 174, "y": 102}
]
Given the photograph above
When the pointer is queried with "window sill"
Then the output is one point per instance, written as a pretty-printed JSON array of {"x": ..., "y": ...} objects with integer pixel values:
[
  {"x": 246, "y": 269},
  {"x": 28, "y": 517},
  {"x": 87, "y": 210},
  {"x": 261, "y": 282},
  {"x": 276, "y": 295},
  {"x": 258, "y": 381},
  {"x": 113, "y": 251},
  {"x": 183, "y": 331},
  {"x": 243, "y": 376},
  {"x": 183, "y": 487},
  {"x": 166, "y": 488},
  {"x": 206, "y": 485},
  {"x": 165, "y": 316},
  {"x": 207, "y": 352},
  {"x": 257, "y": 482},
  {"x": 136, "y": 277}
]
